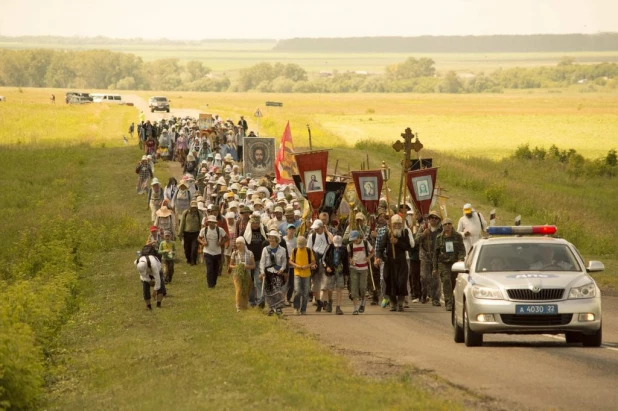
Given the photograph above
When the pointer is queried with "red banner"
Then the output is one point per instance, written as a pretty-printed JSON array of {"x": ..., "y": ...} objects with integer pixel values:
[
  {"x": 421, "y": 184},
  {"x": 312, "y": 170},
  {"x": 285, "y": 163},
  {"x": 368, "y": 187}
]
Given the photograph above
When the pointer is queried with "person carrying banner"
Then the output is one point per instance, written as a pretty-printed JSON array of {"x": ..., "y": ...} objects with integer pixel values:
[{"x": 392, "y": 249}]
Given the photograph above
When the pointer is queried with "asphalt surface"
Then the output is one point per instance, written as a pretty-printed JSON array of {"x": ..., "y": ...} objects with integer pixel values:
[{"x": 536, "y": 372}]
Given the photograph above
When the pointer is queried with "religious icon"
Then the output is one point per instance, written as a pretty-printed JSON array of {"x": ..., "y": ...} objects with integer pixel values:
[
  {"x": 313, "y": 181},
  {"x": 258, "y": 156},
  {"x": 329, "y": 200},
  {"x": 368, "y": 187},
  {"x": 423, "y": 188}
]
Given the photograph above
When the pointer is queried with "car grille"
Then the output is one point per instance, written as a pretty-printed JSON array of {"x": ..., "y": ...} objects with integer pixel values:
[
  {"x": 526, "y": 294},
  {"x": 536, "y": 320}
]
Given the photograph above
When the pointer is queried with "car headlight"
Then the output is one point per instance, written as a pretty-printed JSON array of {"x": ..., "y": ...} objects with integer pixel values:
[
  {"x": 585, "y": 291},
  {"x": 487, "y": 293}
]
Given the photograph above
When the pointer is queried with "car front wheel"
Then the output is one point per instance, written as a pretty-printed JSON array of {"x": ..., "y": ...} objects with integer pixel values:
[
  {"x": 458, "y": 332},
  {"x": 471, "y": 338},
  {"x": 593, "y": 340}
]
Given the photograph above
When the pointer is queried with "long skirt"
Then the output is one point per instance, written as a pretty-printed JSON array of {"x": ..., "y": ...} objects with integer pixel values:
[
  {"x": 143, "y": 184},
  {"x": 242, "y": 291}
]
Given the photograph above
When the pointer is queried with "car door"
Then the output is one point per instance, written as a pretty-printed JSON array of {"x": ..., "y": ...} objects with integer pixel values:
[{"x": 461, "y": 283}]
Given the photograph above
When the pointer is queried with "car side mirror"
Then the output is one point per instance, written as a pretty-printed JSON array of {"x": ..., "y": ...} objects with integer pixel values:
[
  {"x": 459, "y": 267},
  {"x": 595, "y": 267}
]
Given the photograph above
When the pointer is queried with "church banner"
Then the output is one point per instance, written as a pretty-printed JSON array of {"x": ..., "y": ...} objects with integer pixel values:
[
  {"x": 312, "y": 167},
  {"x": 368, "y": 187},
  {"x": 421, "y": 184}
]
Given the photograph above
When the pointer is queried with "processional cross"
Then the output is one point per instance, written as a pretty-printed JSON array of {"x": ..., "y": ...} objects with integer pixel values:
[{"x": 407, "y": 146}]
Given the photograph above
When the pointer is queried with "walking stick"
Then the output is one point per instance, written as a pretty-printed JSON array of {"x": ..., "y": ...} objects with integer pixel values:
[{"x": 371, "y": 274}]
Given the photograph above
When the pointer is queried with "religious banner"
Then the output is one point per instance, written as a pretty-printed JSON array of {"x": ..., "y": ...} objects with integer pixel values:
[
  {"x": 421, "y": 184},
  {"x": 298, "y": 182},
  {"x": 285, "y": 164},
  {"x": 205, "y": 121},
  {"x": 312, "y": 170},
  {"x": 259, "y": 156},
  {"x": 368, "y": 186},
  {"x": 333, "y": 196}
]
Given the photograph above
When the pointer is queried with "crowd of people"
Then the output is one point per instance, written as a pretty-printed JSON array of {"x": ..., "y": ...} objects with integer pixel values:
[{"x": 259, "y": 233}]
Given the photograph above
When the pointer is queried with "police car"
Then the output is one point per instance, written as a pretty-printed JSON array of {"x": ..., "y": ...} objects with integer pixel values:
[{"x": 522, "y": 280}]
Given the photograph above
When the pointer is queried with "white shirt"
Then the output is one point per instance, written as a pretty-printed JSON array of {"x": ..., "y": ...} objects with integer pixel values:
[
  {"x": 473, "y": 226},
  {"x": 145, "y": 272},
  {"x": 320, "y": 243},
  {"x": 213, "y": 247}
]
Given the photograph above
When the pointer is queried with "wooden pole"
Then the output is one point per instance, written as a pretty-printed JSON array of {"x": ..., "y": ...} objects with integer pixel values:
[
  {"x": 336, "y": 165},
  {"x": 310, "y": 144}
]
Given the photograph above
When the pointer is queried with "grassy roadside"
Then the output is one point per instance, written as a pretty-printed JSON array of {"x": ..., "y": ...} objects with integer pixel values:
[{"x": 197, "y": 350}]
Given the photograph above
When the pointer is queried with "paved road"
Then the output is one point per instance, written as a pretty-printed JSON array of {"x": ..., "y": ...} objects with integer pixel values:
[
  {"x": 142, "y": 105},
  {"x": 534, "y": 372}
]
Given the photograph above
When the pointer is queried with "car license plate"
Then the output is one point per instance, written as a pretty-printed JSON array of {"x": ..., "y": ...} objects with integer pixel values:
[{"x": 536, "y": 309}]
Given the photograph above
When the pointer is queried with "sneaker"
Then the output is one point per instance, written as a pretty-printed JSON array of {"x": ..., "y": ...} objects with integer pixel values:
[
  {"x": 158, "y": 304},
  {"x": 296, "y": 312},
  {"x": 338, "y": 311},
  {"x": 279, "y": 311},
  {"x": 449, "y": 307},
  {"x": 271, "y": 312},
  {"x": 149, "y": 307},
  {"x": 303, "y": 313},
  {"x": 355, "y": 312},
  {"x": 384, "y": 302},
  {"x": 436, "y": 303},
  {"x": 361, "y": 309},
  {"x": 415, "y": 301},
  {"x": 287, "y": 303},
  {"x": 262, "y": 305},
  {"x": 400, "y": 308},
  {"x": 424, "y": 300}
]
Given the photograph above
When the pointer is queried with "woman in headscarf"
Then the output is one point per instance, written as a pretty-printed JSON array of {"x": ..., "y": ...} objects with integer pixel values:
[
  {"x": 182, "y": 199},
  {"x": 170, "y": 189},
  {"x": 144, "y": 173},
  {"x": 165, "y": 219},
  {"x": 155, "y": 197},
  {"x": 181, "y": 148},
  {"x": 190, "y": 165},
  {"x": 242, "y": 264}
]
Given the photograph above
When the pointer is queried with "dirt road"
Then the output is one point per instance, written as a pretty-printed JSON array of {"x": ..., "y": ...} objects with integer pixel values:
[{"x": 518, "y": 372}]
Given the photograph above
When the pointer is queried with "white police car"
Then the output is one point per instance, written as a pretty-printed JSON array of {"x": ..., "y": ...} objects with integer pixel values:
[{"x": 519, "y": 283}]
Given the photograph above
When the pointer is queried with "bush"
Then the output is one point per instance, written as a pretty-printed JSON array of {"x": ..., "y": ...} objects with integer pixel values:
[{"x": 495, "y": 194}]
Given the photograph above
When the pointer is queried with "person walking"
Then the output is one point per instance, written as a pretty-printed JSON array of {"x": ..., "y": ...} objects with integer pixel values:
[
  {"x": 273, "y": 266},
  {"x": 144, "y": 174},
  {"x": 190, "y": 225},
  {"x": 212, "y": 238},
  {"x": 471, "y": 226},
  {"x": 318, "y": 241},
  {"x": 449, "y": 249},
  {"x": 303, "y": 261},
  {"x": 149, "y": 269},
  {"x": 255, "y": 236},
  {"x": 337, "y": 268},
  {"x": 360, "y": 253},
  {"x": 426, "y": 238},
  {"x": 155, "y": 198},
  {"x": 167, "y": 251},
  {"x": 242, "y": 263}
]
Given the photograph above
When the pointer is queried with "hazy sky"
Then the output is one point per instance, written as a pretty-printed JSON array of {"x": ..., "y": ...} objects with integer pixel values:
[{"x": 200, "y": 19}]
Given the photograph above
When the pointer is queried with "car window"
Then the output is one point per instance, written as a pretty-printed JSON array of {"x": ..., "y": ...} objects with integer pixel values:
[
  {"x": 117, "y": 98},
  {"x": 526, "y": 257},
  {"x": 162, "y": 99}
]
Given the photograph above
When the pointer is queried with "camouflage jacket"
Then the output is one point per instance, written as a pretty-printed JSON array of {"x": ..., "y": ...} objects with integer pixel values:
[{"x": 448, "y": 250}]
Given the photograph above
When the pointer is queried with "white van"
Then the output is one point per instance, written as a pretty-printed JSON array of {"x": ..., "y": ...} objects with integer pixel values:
[{"x": 106, "y": 98}]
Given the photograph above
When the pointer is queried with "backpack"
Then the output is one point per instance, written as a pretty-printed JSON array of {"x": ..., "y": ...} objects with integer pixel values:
[
  {"x": 351, "y": 246},
  {"x": 149, "y": 250},
  {"x": 308, "y": 251},
  {"x": 314, "y": 235}
]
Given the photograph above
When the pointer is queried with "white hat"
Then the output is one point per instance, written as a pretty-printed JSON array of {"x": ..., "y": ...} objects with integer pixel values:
[
  {"x": 274, "y": 233},
  {"x": 396, "y": 219},
  {"x": 297, "y": 213},
  {"x": 212, "y": 219},
  {"x": 230, "y": 214},
  {"x": 218, "y": 156},
  {"x": 221, "y": 181},
  {"x": 317, "y": 224},
  {"x": 278, "y": 209},
  {"x": 155, "y": 181},
  {"x": 233, "y": 204}
]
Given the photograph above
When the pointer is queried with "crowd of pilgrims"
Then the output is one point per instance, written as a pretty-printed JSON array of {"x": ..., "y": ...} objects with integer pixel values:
[{"x": 257, "y": 232}]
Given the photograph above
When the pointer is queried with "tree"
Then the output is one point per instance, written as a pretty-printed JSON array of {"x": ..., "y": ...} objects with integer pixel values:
[{"x": 450, "y": 83}]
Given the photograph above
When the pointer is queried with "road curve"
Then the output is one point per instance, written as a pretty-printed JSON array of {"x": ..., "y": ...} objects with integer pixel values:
[{"x": 534, "y": 372}]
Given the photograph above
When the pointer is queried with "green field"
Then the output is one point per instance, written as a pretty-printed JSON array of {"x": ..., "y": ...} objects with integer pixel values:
[{"x": 230, "y": 57}]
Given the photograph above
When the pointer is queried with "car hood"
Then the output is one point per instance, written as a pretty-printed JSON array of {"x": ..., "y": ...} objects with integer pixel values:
[{"x": 529, "y": 279}]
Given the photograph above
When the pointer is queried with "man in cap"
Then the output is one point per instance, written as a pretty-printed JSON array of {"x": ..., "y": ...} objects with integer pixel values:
[
  {"x": 289, "y": 219},
  {"x": 290, "y": 241},
  {"x": 392, "y": 249},
  {"x": 448, "y": 249},
  {"x": 190, "y": 225},
  {"x": 277, "y": 219},
  {"x": 318, "y": 241},
  {"x": 255, "y": 236},
  {"x": 213, "y": 238},
  {"x": 471, "y": 226},
  {"x": 426, "y": 239}
]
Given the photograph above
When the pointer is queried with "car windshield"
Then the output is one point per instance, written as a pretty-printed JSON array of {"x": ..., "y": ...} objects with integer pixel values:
[
  {"x": 160, "y": 99},
  {"x": 526, "y": 257}
]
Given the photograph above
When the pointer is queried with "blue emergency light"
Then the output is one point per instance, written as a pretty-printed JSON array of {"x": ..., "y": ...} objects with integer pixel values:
[{"x": 520, "y": 230}]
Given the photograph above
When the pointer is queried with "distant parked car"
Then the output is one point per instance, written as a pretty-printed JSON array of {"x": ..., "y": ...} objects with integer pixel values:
[
  {"x": 2, "y": 98},
  {"x": 70, "y": 94},
  {"x": 107, "y": 98},
  {"x": 76, "y": 99},
  {"x": 159, "y": 103}
]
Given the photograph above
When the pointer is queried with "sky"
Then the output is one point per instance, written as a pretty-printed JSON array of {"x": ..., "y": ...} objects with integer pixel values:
[{"x": 281, "y": 19}]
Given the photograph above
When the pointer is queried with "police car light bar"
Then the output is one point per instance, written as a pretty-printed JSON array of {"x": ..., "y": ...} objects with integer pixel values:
[{"x": 519, "y": 230}]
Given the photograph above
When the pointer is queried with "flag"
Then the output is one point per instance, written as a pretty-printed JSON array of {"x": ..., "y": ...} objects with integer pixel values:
[
  {"x": 312, "y": 170},
  {"x": 421, "y": 184},
  {"x": 285, "y": 163},
  {"x": 368, "y": 186}
]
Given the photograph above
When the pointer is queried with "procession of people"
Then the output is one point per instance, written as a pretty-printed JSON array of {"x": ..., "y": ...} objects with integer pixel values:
[{"x": 279, "y": 251}]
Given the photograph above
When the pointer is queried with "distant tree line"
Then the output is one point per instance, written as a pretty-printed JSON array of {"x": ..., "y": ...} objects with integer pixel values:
[
  {"x": 455, "y": 44},
  {"x": 103, "y": 41},
  {"x": 103, "y": 69}
]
